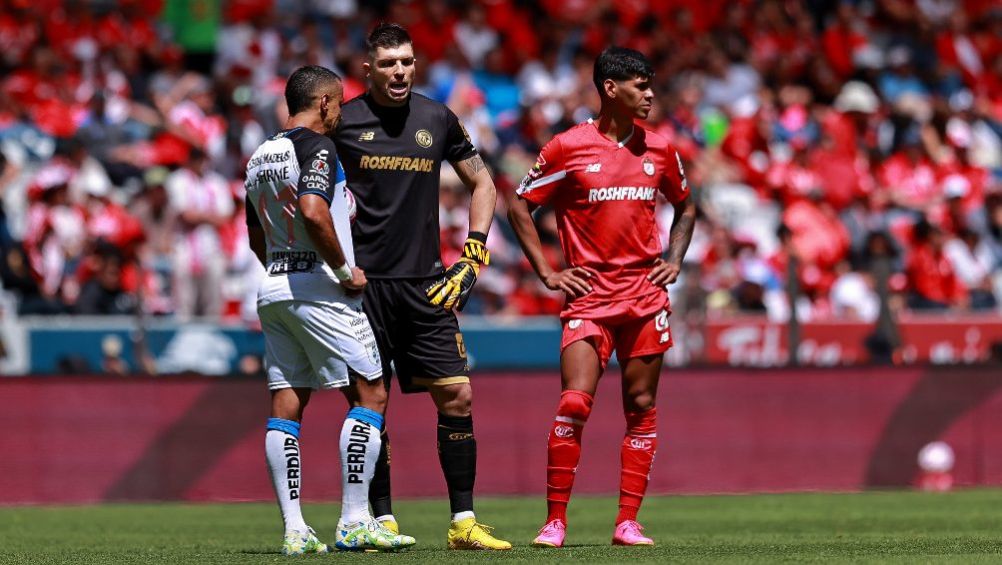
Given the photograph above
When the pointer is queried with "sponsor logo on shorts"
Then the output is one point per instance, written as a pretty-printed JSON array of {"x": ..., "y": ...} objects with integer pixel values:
[
  {"x": 358, "y": 440},
  {"x": 661, "y": 321},
  {"x": 563, "y": 431},
  {"x": 461, "y": 345},
  {"x": 665, "y": 337},
  {"x": 574, "y": 324},
  {"x": 459, "y": 436},
  {"x": 641, "y": 443}
]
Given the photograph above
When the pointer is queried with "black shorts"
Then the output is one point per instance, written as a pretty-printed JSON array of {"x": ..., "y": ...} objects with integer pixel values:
[{"x": 422, "y": 341}]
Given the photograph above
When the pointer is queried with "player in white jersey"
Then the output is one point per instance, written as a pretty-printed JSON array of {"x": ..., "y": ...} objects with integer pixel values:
[{"x": 310, "y": 306}]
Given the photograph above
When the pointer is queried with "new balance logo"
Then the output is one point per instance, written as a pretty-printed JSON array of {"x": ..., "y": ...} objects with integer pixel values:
[
  {"x": 594, "y": 168},
  {"x": 367, "y": 136}
]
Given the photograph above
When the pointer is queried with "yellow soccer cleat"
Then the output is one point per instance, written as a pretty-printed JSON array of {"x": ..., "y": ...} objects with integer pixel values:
[
  {"x": 468, "y": 534},
  {"x": 391, "y": 525}
]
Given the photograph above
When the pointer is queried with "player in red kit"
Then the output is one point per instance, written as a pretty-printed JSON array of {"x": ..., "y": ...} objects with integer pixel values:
[{"x": 602, "y": 179}]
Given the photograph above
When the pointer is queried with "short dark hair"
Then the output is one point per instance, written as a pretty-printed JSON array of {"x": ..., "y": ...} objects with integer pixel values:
[
  {"x": 302, "y": 88},
  {"x": 620, "y": 63},
  {"x": 387, "y": 36}
]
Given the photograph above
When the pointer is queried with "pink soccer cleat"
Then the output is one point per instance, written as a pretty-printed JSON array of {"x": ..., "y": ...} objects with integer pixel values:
[
  {"x": 551, "y": 535},
  {"x": 628, "y": 533}
]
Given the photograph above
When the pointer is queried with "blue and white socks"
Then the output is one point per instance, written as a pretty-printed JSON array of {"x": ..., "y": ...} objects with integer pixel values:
[
  {"x": 281, "y": 448},
  {"x": 360, "y": 443}
]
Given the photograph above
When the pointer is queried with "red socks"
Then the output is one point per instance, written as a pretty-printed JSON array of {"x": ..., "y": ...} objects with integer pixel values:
[
  {"x": 564, "y": 451},
  {"x": 637, "y": 455}
]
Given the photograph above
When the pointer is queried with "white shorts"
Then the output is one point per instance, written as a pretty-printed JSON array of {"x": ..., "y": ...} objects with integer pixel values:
[{"x": 315, "y": 345}]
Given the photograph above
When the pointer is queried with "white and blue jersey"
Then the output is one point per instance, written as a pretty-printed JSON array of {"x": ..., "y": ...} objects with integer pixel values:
[{"x": 286, "y": 167}]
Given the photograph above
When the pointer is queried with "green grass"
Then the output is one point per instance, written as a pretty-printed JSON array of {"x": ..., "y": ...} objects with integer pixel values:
[{"x": 887, "y": 527}]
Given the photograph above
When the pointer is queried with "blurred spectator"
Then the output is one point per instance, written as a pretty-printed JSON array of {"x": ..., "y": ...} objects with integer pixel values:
[
  {"x": 932, "y": 282},
  {"x": 103, "y": 294},
  {"x": 201, "y": 201},
  {"x": 973, "y": 261}
]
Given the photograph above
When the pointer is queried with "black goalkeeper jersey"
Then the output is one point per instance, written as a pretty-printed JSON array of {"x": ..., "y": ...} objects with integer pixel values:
[{"x": 391, "y": 158}]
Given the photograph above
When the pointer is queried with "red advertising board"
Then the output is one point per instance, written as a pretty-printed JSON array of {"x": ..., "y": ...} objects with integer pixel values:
[
  {"x": 98, "y": 439},
  {"x": 757, "y": 342}
]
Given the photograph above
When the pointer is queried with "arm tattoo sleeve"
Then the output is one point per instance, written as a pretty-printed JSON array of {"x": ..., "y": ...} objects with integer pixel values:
[
  {"x": 474, "y": 165},
  {"x": 681, "y": 232}
]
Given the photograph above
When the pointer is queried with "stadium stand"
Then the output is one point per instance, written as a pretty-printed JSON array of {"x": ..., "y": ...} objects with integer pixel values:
[{"x": 832, "y": 134}]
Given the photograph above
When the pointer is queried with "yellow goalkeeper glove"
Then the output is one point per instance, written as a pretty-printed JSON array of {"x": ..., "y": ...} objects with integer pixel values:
[{"x": 453, "y": 289}]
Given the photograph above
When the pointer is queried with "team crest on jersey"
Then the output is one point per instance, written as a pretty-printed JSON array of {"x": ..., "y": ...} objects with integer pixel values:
[
  {"x": 648, "y": 167},
  {"x": 423, "y": 138},
  {"x": 321, "y": 166}
]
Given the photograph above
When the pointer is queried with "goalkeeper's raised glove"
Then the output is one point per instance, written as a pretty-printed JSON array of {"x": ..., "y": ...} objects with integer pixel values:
[{"x": 453, "y": 289}]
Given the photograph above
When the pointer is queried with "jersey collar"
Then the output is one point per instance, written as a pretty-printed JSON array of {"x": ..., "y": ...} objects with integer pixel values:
[{"x": 620, "y": 144}]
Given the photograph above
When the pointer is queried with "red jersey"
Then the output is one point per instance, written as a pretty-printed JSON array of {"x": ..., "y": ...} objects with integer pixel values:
[{"x": 604, "y": 194}]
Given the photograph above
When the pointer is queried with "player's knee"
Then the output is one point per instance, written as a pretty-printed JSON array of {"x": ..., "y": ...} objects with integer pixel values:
[
  {"x": 373, "y": 395},
  {"x": 639, "y": 401},
  {"x": 575, "y": 404},
  {"x": 289, "y": 403},
  {"x": 455, "y": 399}
]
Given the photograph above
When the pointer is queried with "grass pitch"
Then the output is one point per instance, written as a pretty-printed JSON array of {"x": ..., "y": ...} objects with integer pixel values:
[{"x": 887, "y": 527}]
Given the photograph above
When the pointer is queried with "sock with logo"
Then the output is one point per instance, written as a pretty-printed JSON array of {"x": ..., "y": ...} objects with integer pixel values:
[
  {"x": 359, "y": 449},
  {"x": 637, "y": 455},
  {"x": 457, "y": 452},
  {"x": 379, "y": 488},
  {"x": 281, "y": 449},
  {"x": 563, "y": 451}
]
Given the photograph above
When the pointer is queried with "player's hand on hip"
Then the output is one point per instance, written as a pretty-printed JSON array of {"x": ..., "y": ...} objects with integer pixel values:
[
  {"x": 664, "y": 273},
  {"x": 356, "y": 285},
  {"x": 453, "y": 289},
  {"x": 573, "y": 281}
]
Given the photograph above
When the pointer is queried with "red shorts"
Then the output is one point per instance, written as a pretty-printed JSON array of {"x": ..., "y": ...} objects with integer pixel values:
[{"x": 629, "y": 336}]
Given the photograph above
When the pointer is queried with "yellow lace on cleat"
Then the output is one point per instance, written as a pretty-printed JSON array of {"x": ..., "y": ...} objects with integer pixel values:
[
  {"x": 391, "y": 525},
  {"x": 469, "y": 534}
]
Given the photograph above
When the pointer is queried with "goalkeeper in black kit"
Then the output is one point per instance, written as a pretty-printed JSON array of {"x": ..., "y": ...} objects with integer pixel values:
[{"x": 391, "y": 143}]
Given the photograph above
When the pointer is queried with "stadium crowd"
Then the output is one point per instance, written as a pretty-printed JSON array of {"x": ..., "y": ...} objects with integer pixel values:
[{"x": 822, "y": 137}]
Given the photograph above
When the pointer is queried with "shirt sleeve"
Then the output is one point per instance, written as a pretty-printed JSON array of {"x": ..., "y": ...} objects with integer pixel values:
[
  {"x": 458, "y": 146},
  {"x": 540, "y": 185},
  {"x": 674, "y": 185},
  {"x": 318, "y": 168},
  {"x": 253, "y": 221}
]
